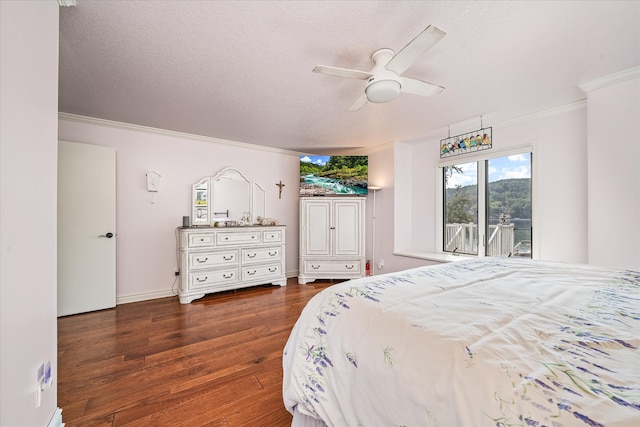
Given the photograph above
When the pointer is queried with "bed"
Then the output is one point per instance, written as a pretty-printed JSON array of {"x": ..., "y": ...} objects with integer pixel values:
[{"x": 482, "y": 342}]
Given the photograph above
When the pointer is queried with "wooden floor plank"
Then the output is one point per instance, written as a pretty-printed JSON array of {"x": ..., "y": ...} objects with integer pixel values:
[{"x": 215, "y": 362}]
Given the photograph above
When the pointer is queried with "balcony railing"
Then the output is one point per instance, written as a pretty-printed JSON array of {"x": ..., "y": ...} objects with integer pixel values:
[{"x": 463, "y": 238}]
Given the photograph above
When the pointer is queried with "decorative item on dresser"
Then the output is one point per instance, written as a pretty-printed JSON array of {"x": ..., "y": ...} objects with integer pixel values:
[
  {"x": 215, "y": 256},
  {"x": 214, "y": 260},
  {"x": 332, "y": 238}
]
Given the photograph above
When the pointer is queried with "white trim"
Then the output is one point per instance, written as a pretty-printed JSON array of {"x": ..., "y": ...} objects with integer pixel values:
[
  {"x": 66, "y": 3},
  {"x": 549, "y": 112},
  {"x": 145, "y": 296},
  {"x": 542, "y": 114},
  {"x": 56, "y": 419},
  {"x": 438, "y": 257},
  {"x": 129, "y": 126},
  {"x": 611, "y": 79},
  {"x": 486, "y": 154}
]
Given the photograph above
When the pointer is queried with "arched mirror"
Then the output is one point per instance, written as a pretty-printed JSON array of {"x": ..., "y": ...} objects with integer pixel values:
[
  {"x": 230, "y": 194},
  {"x": 227, "y": 196}
]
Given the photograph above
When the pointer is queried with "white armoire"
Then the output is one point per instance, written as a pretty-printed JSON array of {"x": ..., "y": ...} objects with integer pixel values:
[{"x": 332, "y": 238}]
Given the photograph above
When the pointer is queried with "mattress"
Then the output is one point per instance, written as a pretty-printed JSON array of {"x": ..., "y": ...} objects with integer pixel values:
[{"x": 481, "y": 342}]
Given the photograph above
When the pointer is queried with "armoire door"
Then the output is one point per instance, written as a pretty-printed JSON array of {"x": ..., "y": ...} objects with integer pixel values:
[
  {"x": 348, "y": 224},
  {"x": 86, "y": 228},
  {"x": 315, "y": 227}
]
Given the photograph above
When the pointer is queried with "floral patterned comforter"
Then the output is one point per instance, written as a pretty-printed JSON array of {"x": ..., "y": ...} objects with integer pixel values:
[{"x": 486, "y": 342}]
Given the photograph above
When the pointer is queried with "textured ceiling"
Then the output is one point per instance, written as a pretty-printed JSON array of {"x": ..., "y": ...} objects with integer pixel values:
[{"x": 242, "y": 70}]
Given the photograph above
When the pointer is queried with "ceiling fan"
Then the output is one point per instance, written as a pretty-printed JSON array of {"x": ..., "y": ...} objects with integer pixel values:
[{"x": 384, "y": 81}]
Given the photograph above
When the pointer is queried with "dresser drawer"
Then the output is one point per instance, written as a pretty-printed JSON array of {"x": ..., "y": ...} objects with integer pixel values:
[
  {"x": 237, "y": 238},
  {"x": 202, "y": 260},
  {"x": 261, "y": 254},
  {"x": 328, "y": 266},
  {"x": 261, "y": 272},
  {"x": 198, "y": 240},
  {"x": 213, "y": 277},
  {"x": 272, "y": 236}
]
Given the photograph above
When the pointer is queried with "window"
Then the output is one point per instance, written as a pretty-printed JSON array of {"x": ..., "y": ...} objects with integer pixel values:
[{"x": 487, "y": 206}]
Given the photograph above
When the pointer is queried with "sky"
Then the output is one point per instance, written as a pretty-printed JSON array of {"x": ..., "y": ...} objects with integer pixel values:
[
  {"x": 516, "y": 166},
  {"x": 318, "y": 160}
]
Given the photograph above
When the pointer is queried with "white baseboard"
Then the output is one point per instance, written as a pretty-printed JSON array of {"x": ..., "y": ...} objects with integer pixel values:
[
  {"x": 56, "y": 419},
  {"x": 124, "y": 299}
]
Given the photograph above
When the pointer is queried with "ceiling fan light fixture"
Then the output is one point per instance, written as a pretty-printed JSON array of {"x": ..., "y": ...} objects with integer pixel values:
[{"x": 383, "y": 90}]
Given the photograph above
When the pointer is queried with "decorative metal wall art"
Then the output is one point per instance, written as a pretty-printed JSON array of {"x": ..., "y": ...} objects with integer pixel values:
[{"x": 465, "y": 143}]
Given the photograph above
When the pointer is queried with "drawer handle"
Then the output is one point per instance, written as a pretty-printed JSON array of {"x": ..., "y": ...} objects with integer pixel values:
[
  {"x": 228, "y": 276},
  {"x": 227, "y": 257},
  {"x": 349, "y": 267},
  {"x": 315, "y": 267},
  {"x": 202, "y": 260},
  {"x": 253, "y": 255},
  {"x": 202, "y": 280},
  {"x": 201, "y": 239},
  {"x": 273, "y": 253},
  {"x": 226, "y": 238},
  {"x": 251, "y": 273},
  {"x": 272, "y": 269}
]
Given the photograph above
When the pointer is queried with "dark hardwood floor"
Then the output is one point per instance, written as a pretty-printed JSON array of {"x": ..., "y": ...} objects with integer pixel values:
[{"x": 214, "y": 362}]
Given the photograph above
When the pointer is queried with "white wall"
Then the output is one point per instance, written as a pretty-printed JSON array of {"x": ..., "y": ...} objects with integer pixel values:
[
  {"x": 559, "y": 176},
  {"x": 146, "y": 222},
  {"x": 28, "y": 175},
  {"x": 614, "y": 175},
  {"x": 384, "y": 171}
]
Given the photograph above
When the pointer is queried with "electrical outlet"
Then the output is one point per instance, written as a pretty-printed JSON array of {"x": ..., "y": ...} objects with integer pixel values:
[{"x": 381, "y": 264}]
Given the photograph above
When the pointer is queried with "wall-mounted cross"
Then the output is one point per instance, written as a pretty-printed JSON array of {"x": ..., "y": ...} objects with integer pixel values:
[{"x": 280, "y": 185}]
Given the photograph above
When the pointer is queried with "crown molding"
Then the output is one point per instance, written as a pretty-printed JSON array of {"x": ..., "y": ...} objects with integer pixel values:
[
  {"x": 555, "y": 111},
  {"x": 608, "y": 80},
  {"x": 66, "y": 3},
  {"x": 147, "y": 129},
  {"x": 431, "y": 136}
]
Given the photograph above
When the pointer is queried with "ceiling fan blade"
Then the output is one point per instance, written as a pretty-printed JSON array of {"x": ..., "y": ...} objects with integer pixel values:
[
  {"x": 416, "y": 47},
  {"x": 360, "y": 102},
  {"x": 342, "y": 72},
  {"x": 418, "y": 87}
]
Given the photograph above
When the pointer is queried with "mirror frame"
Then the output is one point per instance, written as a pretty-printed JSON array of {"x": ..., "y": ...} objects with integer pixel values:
[{"x": 256, "y": 203}]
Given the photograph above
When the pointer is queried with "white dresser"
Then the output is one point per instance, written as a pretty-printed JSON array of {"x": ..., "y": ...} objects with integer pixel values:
[
  {"x": 332, "y": 238},
  {"x": 218, "y": 259}
]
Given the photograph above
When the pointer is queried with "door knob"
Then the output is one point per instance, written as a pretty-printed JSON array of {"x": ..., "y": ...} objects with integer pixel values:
[{"x": 108, "y": 235}]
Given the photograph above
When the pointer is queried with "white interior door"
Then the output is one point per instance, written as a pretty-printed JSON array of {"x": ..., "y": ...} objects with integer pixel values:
[{"x": 86, "y": 228}]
